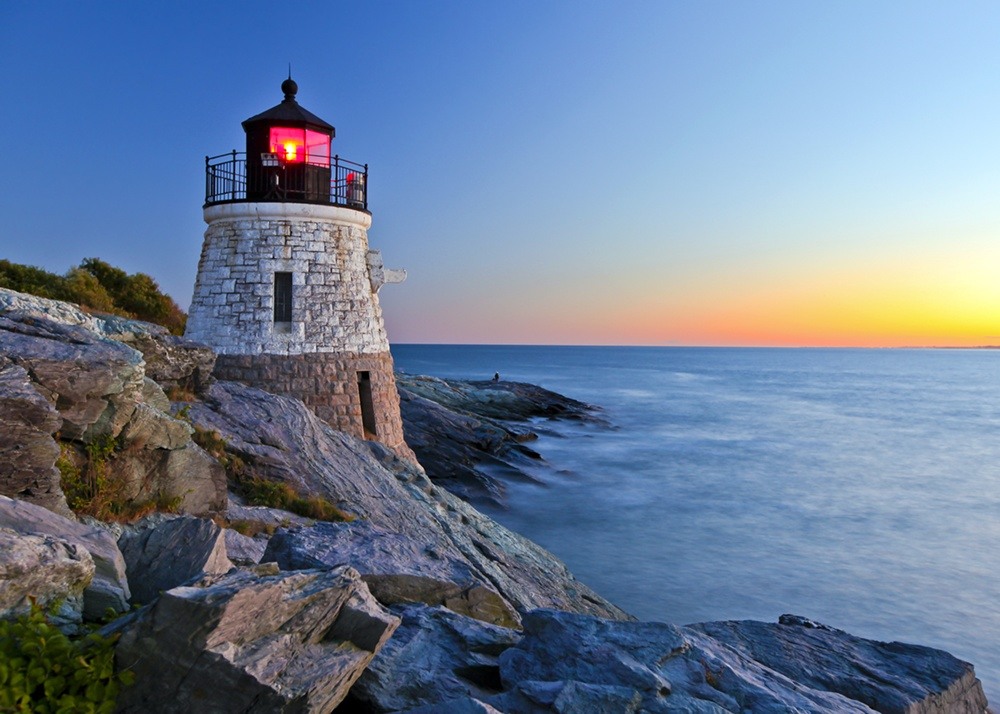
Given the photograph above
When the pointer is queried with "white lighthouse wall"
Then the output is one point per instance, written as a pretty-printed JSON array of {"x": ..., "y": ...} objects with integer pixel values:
[
  {"x": 334, "y": 355},
  {"x": 325, "y": 248}
]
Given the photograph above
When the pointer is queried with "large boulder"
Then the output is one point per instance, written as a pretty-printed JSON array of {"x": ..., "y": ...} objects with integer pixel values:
[
  {"x": 252, "y": 642},
  {"x": 435, "y": 657},
  {"x": 243, "y": 549},
  {"x": 109, "y": 587},
  {"x": 43, "y": 570},
  {"x": 93, "y": 382},
  {"x": 281, "y": 439},
  {"x": 188, "y": 478},
  {"x": 152, "y": 428},
  {"x": 161, "y": 554},
  {"x": 28, "y": 450},
  {"x": 397, "y": 568},
  {"x": 175, "y": 363}
]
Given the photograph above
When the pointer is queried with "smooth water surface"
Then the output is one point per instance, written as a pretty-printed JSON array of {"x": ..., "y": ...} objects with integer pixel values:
[{"x": 860, "y": 488}]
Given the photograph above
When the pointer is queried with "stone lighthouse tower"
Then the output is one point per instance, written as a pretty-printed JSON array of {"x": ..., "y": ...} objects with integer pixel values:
[{"x": 287, "y": 288}]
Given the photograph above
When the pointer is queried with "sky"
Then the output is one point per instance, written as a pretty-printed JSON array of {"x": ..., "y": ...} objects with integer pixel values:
[{"x": 548, "y": 172}]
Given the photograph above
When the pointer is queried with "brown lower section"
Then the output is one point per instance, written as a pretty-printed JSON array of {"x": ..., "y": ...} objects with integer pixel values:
[{"x": 333, "y": 385}]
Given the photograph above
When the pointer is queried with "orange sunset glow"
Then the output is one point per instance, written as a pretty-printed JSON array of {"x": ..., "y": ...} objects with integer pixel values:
[{"x": 950, "y": 301}]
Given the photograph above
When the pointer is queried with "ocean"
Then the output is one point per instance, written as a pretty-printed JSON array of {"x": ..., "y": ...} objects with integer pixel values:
[{"x": 856, "y": 487}]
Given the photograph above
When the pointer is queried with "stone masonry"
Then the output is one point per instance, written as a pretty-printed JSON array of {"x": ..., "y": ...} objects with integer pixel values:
[
  {"x": 327, "y": 384},
  {"x": 335, "y": 338}
]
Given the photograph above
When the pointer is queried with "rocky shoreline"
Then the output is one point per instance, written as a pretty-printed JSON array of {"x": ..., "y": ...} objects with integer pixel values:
[
  {"x": 472, "y": 437},
  {"x": 412, "y": 602}
]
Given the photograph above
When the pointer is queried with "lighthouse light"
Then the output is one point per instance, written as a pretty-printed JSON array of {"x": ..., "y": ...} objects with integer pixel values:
[{"x": 288, "y": 143}]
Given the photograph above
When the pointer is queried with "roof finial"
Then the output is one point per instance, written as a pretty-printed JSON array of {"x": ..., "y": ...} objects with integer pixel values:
[{"x": 289, "y": 87}]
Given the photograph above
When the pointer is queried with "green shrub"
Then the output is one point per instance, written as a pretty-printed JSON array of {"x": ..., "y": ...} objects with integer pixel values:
[
  {"x": 99, "y": 287},
  {"x": 87, "y": 485},
  {"x": 42, "y": 670},
  {"x": 137, "y": 295},
  {"x": 32, "y": 280},
  {"x": 85, "y": 290}
]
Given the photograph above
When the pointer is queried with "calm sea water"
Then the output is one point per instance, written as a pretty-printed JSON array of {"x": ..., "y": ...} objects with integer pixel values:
[{"x": 860, "y": 488}]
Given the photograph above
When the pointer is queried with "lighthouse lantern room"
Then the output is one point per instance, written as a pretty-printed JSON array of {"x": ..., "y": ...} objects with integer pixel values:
[{"x": 287, "y": 287}]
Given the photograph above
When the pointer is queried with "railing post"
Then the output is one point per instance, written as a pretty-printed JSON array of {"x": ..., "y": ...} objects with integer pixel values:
[
  {"x": 365, "y": 187},
  {"x": 232, "y": 194},
  {"x": 336, "y": 179}
]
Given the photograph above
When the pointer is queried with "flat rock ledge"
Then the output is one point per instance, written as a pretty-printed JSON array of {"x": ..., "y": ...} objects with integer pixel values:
[
  {"x": 439, "y": 661},
  {"x": 506, "y": 401}
]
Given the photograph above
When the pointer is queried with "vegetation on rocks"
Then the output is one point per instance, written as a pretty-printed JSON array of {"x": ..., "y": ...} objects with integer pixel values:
[
  {"x": 43, "y": 670},
  {"x": 98, "y": 287},
  {"x": 246, "y": 526},
  {"x": 92, "y": 488},
  {"x": 263, "y": 492},
  {"x": 260, "y": 491}
]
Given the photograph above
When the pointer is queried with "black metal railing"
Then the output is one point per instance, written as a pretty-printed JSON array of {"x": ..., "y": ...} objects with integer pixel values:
[{"x": 342, "y": 183}]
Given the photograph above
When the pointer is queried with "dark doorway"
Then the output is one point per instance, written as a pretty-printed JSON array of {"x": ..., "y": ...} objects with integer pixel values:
[{"x": 367, "y": 404}]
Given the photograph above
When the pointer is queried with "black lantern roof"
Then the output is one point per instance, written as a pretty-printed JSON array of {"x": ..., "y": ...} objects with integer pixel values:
[{"x": 290, "y": 113}]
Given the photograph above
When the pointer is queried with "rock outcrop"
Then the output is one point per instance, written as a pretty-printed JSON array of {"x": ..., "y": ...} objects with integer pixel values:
[
  {"x": 435, "y": 657},
  {"x": 94, "y": 383},
  {"x": 884, "y": 676},
  {"x": 396, "y": 568},
  {"x": 565, "y": 662},
  {"x": 67, "y": 372},
  {"x": 173, "y": 362},
  {"x": 28, "y": 450},
  {"x": 280, "y": 439},
  {"x": 252, "y": 642},
  {"x": 108, "y": 589}
]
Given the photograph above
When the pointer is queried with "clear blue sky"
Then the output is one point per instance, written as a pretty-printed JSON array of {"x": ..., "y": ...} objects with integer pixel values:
[{"x": 548, "y": 172}]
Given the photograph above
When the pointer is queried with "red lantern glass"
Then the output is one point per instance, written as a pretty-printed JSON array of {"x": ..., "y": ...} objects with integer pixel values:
[{"x": 295, "y": 146}]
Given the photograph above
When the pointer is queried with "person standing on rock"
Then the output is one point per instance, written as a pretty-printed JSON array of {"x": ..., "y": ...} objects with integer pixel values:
[{"x": 496, "y": 376}]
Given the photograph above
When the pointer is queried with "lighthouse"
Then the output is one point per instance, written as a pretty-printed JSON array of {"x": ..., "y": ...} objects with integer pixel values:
[{"x": 287, "y": 287}]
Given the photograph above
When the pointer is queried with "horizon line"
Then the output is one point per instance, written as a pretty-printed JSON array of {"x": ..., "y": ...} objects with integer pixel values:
[{"x": 695, "y": 346}]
